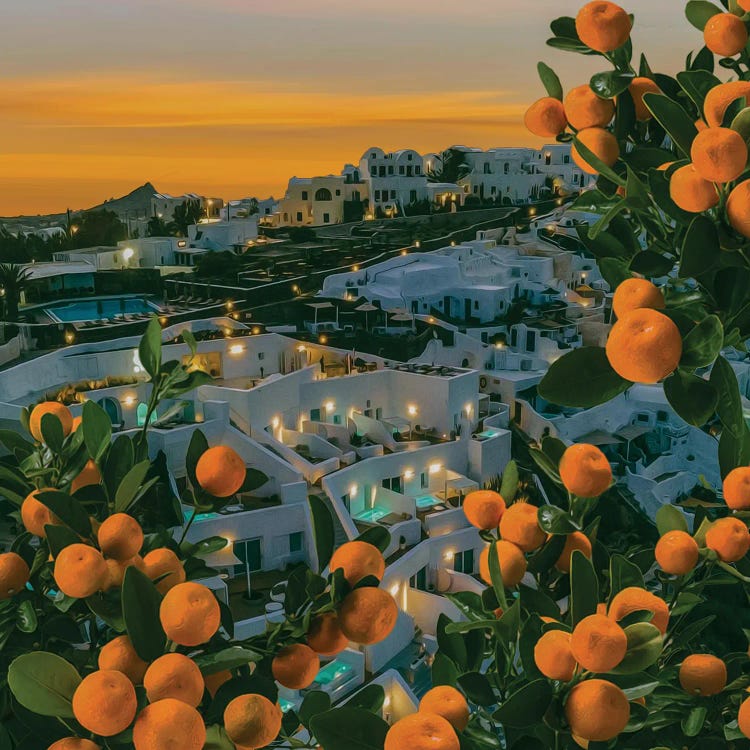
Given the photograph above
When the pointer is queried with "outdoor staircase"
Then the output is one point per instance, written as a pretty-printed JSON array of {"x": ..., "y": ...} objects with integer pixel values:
[{"x": 339, "y": 536}]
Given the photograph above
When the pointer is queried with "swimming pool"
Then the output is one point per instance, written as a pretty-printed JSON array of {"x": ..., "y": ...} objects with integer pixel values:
[
  {"x": 332, "y": 671},
  {"x": 427, "y": 501},
  {"x": 488, "y": 433},
  {"x": 372, "y": 514},
  {"x": 94, "y": 309}
]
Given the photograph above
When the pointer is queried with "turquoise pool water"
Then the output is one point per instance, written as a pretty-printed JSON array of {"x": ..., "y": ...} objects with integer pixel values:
[
  {"x": 427, "y": 501},
  {"x": 199, "y": 516},
  {"x": 285, "y": 705},
  {"x": 94, "y": 309},
  {"x": 372, "y": 514},
  {"x": 332, "y": 671},
  {"x": 488, "y": 433}
]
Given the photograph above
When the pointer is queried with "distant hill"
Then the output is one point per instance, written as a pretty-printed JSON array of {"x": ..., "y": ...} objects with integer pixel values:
[{"x": 136, "y": 203}]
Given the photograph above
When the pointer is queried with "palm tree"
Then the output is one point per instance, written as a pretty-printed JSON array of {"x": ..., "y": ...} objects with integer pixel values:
[
  {"x": 13, "y": 280},
  {"x": 452, "y": 167}
]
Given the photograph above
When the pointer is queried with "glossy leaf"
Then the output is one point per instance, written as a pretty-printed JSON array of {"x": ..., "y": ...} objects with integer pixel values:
[
  {"x": 97, "y": 429},
  {"x": 729, "y": 406},
  {"x": 611, "y": 83},
  {"x": 670, "y": 518},
  {"x": 44, "y": 683},
  {"x": 550, "y": 81},
  {"x": 622, "y": 574},
  {"x": 130, "y": 485},
  {"x": 140, "y": 607},
  {"x": 149, "y": 349},
  {"x": 693, "y": 398},
  {"x": 526, "y": 706},
  {"x": 673, "y": 118},
  {"x": 645, "y": 644},
  {"x": 584, "y": 587},
  {"x": 349, "y": 729},
  {"x": 700, "y": 248},
  {"x": 323, "y": 530},
  {"x": 555, "y": 520},
  {"x": 67, "y": 509}
]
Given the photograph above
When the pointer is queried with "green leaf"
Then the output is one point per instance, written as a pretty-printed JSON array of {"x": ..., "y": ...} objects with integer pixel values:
[
  {"x": 555, "y": 520},
  {"x": 451, "y": 643},
  {"x": 584, "y": 587},
  {"x": 693, "y": 722},
  {"x": 15, "y": 444},
  {"x": 741, "y": 123},
  {"x": 130, "y": 485},
  {"x": 699, "y": 12},
  {"x": 611, "y": 83},
  {"x": 117, "y": 464},
  {"x": 253, "y": 480},
  {"x": 703, "y": 343},
  {"x": 478, "y": 688},
  {"x": 650, "y": 263},
  {"x": 509, "y": 483},
  {"x": 444, "y": 671},
  {"x": 197, "y": 447},
  {"x": 614, "y": 270},
  {"x": 52, "y": 432},
  {"x": 550, "y": 81},
  {"x": 696, "y": 84},
  {"x": 44, "y": 683},
  {"x": 733, "y": 451},
  {"x": 645, "y": 643},
  {"x": 68, "y": 510},
  {"x": 140, "y": 607},
  {"x": 378, "y": 536},
  {"x": 59, "y": 537},
  {"x": 693, "y": 398},
  {"x": 596, "y": 163},
  {"x": 496, "y": 576},
  {"x": 149, "y": 349},
  {"x": 622, "y": 575},
  {"x": 349, "y": 729},
  {"x": 583, "y": 378},
  {"x": 315, "y": 702},
  {"x": 700, "y": 248},
  {"x": 673, "y": 118},
  {"x": 26, "y": 619},
  {"x": 216, "y": 736},
  {"x": 323, "y": 530},
  {"x": 670, "y": 518},
  {"x": 97, "y": 429},
  {"x": 526, "y": 706},
  {"x": 636, "y": 685},
  {"x": 729, "y": 406},
  {"x": 228, "y": 658}
]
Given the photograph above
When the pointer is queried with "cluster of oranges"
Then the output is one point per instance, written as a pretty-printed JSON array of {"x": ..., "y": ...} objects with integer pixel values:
[{"x": 585, "y": 472}]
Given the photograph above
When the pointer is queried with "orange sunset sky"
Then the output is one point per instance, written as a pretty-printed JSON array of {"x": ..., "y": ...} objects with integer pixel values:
[{"x": 232, "y": 97}]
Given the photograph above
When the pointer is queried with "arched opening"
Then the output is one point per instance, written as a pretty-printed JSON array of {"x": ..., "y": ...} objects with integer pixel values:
[
  {"x": 323, "y": 194},
  {"x": 140, "y": 414},
  {"x": 113, "y": 410}
]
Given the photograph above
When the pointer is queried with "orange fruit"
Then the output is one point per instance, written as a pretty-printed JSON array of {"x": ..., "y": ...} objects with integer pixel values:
[
  {"x": 603, "y": 26},
  {"x": 575, "y": 541},
  {"x": 325, "y": 636},
  {"x": 174, "y": 676},
  {"x": 35, "y": 515},
  {"x": 584, "y": 109},
  {"x": 553, "y": 657},
  {"x": 546, "y": 118},
  {"x": 216, "y": 680},
  {"x": 105, "y": 702},
  {"x": 76, "y": 423},
  {"x": 703, "y": 674},
  {"x": 120, "y": 536},
  {"x": 80, "y": 571},
  {"x": 638, "y": 87},
  {"x": 295, "y": 666},
  {"x": 725, "y": 34},
  {"x": 700, "y": 125},
  {"x": 601, "y": 143},
  {"x": 117, "y": 570},
  {"x": 644, "y": 346},
  {"x": 421, "y": 731},
  {"x": 520, "y": 526},
  {"x": 633, "y": 599},
  {"x": 719, "y": 98},
  {"x": 484, "y": 508},
  {"x": 691, "y": 192},
  {"x": 597, "y": 710},
  {"x": 598, "y": 644},
  {"x": 743, "y": 717},
  {"x": 585, "y": 470},
  {"x": 368, "y": 615},
  {"x": 737, "y": 488},
  {"x": 719, "y": 154},
  {"x": 738, "y": 208},
  {"x": 512, "y": 564},
  {"x": 163, "y": 562},
  {"x": 14, "y": 574},
  {"x": 190, "y": 614},
  {"x": 252, "y": 721},
  {"x": 120, "y": 656},
  {"x": 87, "y": 476},
  {"x": 633, "y": 294},
  {"x": 169, "y": 724},
  {"x": 358, "y": 560},
  {"x": 447, "y": 702},
  {"x": 676, "y": 553},
  {"x": 49, "y": 407},
  {"x": 729, "y": 538},
  {"x": 220, "y": 471},
  {"x": 74, "y": 743}
]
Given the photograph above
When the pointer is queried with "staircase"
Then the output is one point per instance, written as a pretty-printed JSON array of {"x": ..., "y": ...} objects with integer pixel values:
[{"x": 339, "y": 535}]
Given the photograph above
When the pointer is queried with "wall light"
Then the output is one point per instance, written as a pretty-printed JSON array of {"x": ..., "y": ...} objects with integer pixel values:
[
  {"x": 412, "y": 410},
  {"x": 435, "y": 468},
  {"x": 329, "y": 405},
  {"x": 301, "y": 348},
  {"x": 129, "y": 400},
  {"x": 355, "y": 267},
  {"x": 70, "y": 337},
  {"x": 230, "y": 304},
  {"x": 408, "y": 474},
  {"x": 394, "y": 589},
  {"x": 448, "y": 555},
  {"x": 323, "y": 339},
  {"x": 256, "y": 330},
  {"x": 275, "y": 422},
  {"x": 236, "y": 349},
  {"x": 353, "y": 489}
]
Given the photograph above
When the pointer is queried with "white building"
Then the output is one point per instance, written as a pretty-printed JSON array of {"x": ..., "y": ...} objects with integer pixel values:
[
  {"x": 163, "y": 204},
  {"x": 396, "y": 179}
]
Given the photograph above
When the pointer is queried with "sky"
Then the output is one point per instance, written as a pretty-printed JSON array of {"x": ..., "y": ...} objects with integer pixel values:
[{"x": 230, "y": 98}]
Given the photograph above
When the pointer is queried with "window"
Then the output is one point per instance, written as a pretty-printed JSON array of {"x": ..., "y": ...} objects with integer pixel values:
[
  {"x": 548, "y": 159},
  {"x": 487, "y": 168},
  {"x": 408, "y": 157},
  {"x": 392, "y": 483},
  {"x": 412, "y": 196},
  {"x": 530, "y": 341},
  {"x": 476, "y": 304},
  {"x": 661, "y": 416},
  {"x": 338, "y": 192},
  {"x": 295, "y": 541},
  {"x": 401, "y": 169},
  {"x": 393, "y": 195},
  {"x": 390, "y": 169},
  {"x": 326, "y": 218},
  {"x": 423, "y": 480},
  {"x": 419, "y": 580},
  {"x": 506, "y": 168},
  {"x": 463, "y": 562},
  {"x": 566, "y": 159},
  {"x": 323, "y": 194},
  {"x": 408, "y": 171},
  {"x": 249, "y": 551},
  {"x": 417, "y": 169},
  {"x": 377, "y": 195},
  {"x": 476, "y": 189},
  {"x": 299, "y": 215},
  {"x": 493, "y": 190},
  {"x": 304, "y": 195},
  {"x": 315, "y": 415},
  {"x": 261, "y": 355}
]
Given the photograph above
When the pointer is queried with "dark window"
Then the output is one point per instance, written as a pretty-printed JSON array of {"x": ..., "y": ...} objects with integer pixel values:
[
  {"x": 417, "y": 169},
  {"x": 487, "y": 169},
  {"x": 304, "y": 195},
  {"x": 326, "y": 218},
  {"x": 413, "y": 196},
  {"x": 295, "y": 541},
  {"x": 299, "y": 215},
  {"x": 401, "y": 169},
  {"x": 566, "y": 159},
  {"x": 393, "y": 195},
  {"x": 324, "y": 194}
]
